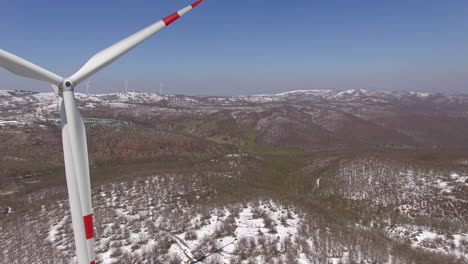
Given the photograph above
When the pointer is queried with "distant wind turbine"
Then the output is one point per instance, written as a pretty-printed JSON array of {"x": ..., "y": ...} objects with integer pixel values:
[
  {"x": 73, "y": 130},
  {"x": 161, "y": 85},
  {"x": 87, "y": 87}
]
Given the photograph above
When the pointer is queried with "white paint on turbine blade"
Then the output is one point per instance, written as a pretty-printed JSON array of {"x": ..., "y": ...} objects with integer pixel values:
[
  {"x": 73, "y": 191},
  {"x": 184, "y": 10},
  {"x": 91, "y": 253},
  {"x": 79, "y": 151},
  {"x": 22, "y": 67},
  {"x": 110, "y": 54}
]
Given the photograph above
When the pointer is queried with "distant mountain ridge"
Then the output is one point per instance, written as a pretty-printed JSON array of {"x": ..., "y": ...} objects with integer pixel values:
[
  {"x": 308, "y": 119},
  {"x": 323, "y": 96}
]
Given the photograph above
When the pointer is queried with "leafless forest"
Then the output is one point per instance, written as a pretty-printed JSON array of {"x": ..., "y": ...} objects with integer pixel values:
[{"x": 301, "y": 177}]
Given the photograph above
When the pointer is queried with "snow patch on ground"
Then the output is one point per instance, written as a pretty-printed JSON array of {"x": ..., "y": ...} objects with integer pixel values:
[
  {"x": 250, "y": 224},
  {"x": 432, "y": 239}
]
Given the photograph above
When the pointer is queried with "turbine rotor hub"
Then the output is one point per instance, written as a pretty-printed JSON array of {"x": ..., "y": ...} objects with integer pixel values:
[{"x": 68, "y": 84}]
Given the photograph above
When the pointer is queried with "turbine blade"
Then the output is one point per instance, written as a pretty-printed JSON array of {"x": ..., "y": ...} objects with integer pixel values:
[
  {"x": 73, "y": 191},
  {"x": 110, "y": 54},
  {"x": 79, "y": 151},
  {"x": 22, "y": 67}
]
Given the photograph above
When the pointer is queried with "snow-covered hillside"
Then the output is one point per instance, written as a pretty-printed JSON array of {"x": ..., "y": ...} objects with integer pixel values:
[
  {"x": 23, "y": 99},
  {"x": 164, "y": 219},
  {"x": 299, "y": 177}
]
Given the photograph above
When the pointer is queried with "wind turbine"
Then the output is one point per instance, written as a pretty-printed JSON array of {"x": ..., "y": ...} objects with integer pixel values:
[
  {"x": 75, "y": 150},
  {"x": 87, "y": 87},
  {"x": 161, "y": 85}
]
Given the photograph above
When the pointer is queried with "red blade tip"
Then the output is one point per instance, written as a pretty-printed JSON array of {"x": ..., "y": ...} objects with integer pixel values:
[
  {"x": 171, "y": 18},
  {"x": 196, "y": 3}
]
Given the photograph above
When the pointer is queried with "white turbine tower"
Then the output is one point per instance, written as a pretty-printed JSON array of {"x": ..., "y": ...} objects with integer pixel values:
[{"x": 73, "y": 130}]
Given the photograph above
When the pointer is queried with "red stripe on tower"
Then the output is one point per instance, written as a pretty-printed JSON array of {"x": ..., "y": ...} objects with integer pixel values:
[
  {"x": 88, "y": 224},
  {"x": 196, "y": 3},
  {"x": 92, "y": 262},
  {"x": 171, "y": 18}
]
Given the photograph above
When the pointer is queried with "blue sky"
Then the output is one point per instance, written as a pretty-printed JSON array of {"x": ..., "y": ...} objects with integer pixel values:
[{"x": 247, "y": 46}]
